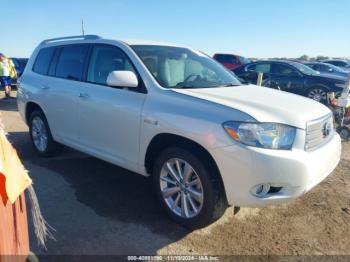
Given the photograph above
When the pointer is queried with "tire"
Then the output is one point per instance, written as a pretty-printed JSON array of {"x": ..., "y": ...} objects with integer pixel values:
[
  {"x": 40, "y": 135},
  {"x": 344, "y": 132},
  {"x": 199, "y": 214},
  {"x": 318, "y": 94}
]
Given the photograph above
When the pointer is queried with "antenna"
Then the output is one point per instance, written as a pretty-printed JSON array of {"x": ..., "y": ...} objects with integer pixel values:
[{"x": 82, "y": 27}]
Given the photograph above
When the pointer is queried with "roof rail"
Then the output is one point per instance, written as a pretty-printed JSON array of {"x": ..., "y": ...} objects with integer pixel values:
[{"x": 77, "y": 37}]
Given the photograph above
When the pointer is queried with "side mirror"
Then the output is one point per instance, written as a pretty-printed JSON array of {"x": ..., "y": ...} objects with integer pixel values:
[{"x": 122, "y": 79}]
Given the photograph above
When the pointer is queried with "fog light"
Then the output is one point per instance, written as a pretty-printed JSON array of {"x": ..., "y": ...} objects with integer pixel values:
[{"x": 261, "y": 190}]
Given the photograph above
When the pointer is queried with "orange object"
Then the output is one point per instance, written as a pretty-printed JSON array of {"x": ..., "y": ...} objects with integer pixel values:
[
  {"x": 14, "y": 239},
  {"x": 14, "y": 179}
]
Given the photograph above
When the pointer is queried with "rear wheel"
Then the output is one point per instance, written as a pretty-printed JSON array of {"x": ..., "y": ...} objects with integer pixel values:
[
  {"x": 187, "y": 188},
  {"x": 40, "y": 134}
]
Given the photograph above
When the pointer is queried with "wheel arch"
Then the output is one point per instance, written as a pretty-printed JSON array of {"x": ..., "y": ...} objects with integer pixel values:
[
  {"x": 30, "y": 108},
  {"x": 165, "y": 140},
  {"x": 318, "y": 86}
]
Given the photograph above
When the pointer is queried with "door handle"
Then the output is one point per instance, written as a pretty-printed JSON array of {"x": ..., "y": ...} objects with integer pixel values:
[
  {"x": 45, "y": 87},
  {"x": 151, "y": 121},
  {"x": 83, "y": 95}
]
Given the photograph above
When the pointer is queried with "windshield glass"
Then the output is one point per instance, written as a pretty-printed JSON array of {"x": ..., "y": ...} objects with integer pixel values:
[
  {"x": 176, "y": 67},
  {"x": 305, "y": 69}
]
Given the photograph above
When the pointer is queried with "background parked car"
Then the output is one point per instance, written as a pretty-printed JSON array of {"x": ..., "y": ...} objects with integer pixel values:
[
  {"x": 292, "y": 77},
  {"x": 20, "y": 64},
  {"x": 344, "y": 64},
  {"x": 231, "y": 61},
  {"x": 327, "y": 69}
]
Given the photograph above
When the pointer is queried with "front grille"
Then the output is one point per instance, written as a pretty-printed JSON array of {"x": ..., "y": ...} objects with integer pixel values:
[{"x": 319, "y": 132}]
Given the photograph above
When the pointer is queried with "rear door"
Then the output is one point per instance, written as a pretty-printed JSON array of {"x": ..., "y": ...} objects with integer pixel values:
[
  {"x": 109, "y": 117},
  {"x": 62, "y": 89}
]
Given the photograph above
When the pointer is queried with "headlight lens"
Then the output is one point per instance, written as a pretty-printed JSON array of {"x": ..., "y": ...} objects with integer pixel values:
[{"x": 264, "y": 135}]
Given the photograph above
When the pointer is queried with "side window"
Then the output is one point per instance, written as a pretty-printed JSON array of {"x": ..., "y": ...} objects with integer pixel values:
[
  {"x": 322, "y": 68},
  {"x": 263, "y": 68},
  {"x": 42, "y": 62},
  {"x": 227, "y": 59},
  {"x": 283, "y": 70},
  {"x": 233, "y": 60},
  {"x": 105, "y": 59},
  {"x": 220, "y": 58},
  {"x": 338, "y": 63},
  {"x": 70, "y": 64}
]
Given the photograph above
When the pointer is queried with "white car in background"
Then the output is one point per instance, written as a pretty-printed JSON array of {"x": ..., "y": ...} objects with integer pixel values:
[{"x": 176, "y": 115}]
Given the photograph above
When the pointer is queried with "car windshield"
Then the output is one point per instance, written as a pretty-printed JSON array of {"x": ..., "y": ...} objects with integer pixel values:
[
  {"x": 176, "y": 67},
  {"x": 305, "y": 69}
]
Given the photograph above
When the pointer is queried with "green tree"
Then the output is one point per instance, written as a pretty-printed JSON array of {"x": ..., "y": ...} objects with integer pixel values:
[{"x": 304, "y": 57}]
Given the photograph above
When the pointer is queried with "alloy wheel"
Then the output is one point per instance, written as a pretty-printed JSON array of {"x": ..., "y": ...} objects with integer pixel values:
[
  {"x": 318, "y": 94},
  {"x": 181, "y": 188},
  {"x": 39, "y": 134}
]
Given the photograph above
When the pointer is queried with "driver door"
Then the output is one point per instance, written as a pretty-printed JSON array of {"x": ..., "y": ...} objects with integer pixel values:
[{"x": 109, "y": 117}]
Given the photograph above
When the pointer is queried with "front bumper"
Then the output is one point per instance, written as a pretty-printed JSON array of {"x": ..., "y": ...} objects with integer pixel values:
[{"x": 296, "y": 171}]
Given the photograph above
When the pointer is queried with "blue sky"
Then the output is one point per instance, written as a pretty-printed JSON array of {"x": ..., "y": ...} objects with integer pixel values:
[{"x": 254, "y": 28}]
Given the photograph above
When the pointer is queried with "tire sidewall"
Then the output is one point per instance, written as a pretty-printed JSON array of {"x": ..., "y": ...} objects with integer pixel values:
[
  {"x": 50, "y": 143},
  {"x": 208, "y": 209},
  {"x": 314, "y": 88}
]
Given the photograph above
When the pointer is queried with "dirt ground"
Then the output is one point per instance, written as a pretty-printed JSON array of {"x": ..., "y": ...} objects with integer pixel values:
[{"x": 97, "y": 208}]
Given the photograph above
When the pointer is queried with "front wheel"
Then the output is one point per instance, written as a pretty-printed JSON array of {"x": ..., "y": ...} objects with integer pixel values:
[
  {"x": 344, "y": 132},
  {"x": 188, "y": 189},
  {"x": 318, "y": 94}
]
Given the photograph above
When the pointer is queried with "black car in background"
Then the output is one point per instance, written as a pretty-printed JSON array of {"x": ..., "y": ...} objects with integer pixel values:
[
  {"x": 20, "y": 64},
  {"x": 292, "y": 77},
  {"x": 327, "y": 69},
  {"x": 344, "y": 64}
]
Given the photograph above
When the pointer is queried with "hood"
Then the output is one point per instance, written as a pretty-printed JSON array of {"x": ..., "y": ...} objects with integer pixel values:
[
  {"x": 340, "y": 75},
  {"x": 263, "y": 104},
  {"x": 333, "y": 77}
]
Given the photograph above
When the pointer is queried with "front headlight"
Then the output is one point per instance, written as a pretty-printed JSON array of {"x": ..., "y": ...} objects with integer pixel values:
[{"x": 264, "y": 135}]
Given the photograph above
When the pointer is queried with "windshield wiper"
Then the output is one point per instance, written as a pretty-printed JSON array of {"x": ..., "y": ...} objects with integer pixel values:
[
  {"x": 232, "y": 84},
  {"x": 185, "y": 86}
]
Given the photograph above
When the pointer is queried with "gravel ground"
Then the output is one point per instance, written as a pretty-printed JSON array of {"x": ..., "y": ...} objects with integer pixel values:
[{"x": 97, "y": 208}]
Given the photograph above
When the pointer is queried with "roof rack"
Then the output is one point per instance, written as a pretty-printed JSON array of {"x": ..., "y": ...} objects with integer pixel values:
[{"x": 77, "y": 37}]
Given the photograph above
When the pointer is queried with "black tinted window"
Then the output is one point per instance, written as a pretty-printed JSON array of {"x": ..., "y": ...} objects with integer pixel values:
[
  {"x": 228, "y": 59},
  {"x": 70, "y": 64},
  {"x": 337, "y": 63},
  {"x": 261, "y": 68},
  {"x": 104, "y": 60},
  {"x": 282, "y": 69},
  {"x": 43, "y": 59}
]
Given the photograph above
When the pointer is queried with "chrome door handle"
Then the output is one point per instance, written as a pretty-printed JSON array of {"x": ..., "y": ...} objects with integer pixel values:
[
  {"x": 151, "y": 121},
  {"x": 83, "y": 95},
  {"x": 44, "y": 87}
]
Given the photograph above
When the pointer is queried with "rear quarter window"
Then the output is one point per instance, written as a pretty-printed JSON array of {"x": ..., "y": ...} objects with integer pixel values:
[{"x": 43, "y": 59}]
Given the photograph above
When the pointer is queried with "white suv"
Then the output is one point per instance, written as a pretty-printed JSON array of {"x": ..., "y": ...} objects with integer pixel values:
[{"x": 175, "y": 114}]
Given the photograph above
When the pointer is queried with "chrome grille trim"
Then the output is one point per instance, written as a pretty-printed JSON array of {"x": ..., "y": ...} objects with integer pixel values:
[{"x": 315, "y": 129}]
